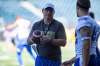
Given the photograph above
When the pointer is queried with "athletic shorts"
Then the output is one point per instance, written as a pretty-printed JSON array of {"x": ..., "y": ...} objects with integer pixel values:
[{"x": 42, "y": 61}]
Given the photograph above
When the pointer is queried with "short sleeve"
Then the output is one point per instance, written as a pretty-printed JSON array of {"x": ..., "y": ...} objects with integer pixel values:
[
  {"x": 84, "y": 23},
  {"x": 60, "y": 34},
  {"x": 33, "y": 28}
]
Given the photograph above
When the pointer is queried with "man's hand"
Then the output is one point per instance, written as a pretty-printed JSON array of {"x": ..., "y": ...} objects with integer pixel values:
[
  {"x": 67, "y": 63},
  {"x": 45, "y": 40},
  {"x": 36, "y": 36}
]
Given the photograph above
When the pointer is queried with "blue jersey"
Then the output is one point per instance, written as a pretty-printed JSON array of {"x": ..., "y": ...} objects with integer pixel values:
[{"x": 85, "y": 21}]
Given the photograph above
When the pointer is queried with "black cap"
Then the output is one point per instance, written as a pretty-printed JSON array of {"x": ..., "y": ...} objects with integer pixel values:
[
  {"x": 84, "y": 4},
  {"x": 49, "y": 7}
]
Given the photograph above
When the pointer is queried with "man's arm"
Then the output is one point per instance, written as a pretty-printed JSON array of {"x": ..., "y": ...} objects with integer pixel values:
[
  {"x": 86, "y": 34},
  {"x": 11, "y": 26},
  {"x": 56, "y": 42},
  {"x": 29, "y": 40},
  {"x": 60, "y": 37},
  {"x": 34, "y": 36},
  {"x": 59, "y": 42},
  {"x": 69, "y": 62}
]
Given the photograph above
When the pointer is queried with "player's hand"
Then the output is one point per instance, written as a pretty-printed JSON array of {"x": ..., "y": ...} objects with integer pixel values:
[{"x": 66, "y": 63}]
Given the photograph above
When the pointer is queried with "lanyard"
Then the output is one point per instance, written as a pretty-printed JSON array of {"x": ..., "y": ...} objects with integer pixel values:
[{"x": 45, "y": 28}]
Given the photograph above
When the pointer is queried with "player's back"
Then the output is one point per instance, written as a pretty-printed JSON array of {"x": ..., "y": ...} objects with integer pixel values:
[{"x": 86, "y": 21}]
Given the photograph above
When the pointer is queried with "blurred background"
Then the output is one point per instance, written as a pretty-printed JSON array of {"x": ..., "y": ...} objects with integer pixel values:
[{"x": 30, "y": 10}]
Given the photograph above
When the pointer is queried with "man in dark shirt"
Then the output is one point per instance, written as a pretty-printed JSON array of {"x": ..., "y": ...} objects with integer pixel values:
[{"x": 49, "y": 35}]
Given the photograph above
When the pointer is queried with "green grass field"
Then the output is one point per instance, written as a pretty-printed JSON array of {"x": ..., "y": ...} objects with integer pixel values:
[{"x": 8, "y": 55}]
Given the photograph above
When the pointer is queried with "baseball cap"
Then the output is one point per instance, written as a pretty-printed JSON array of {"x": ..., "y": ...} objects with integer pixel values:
[
  {"x": 48, "y": 5},
  {"x": 84, "y": 4}
]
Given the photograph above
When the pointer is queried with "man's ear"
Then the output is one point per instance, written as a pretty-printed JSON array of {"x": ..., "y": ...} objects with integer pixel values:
[
  {"x": 42, "y": 10},
  {"x": 54, "y": 12}
]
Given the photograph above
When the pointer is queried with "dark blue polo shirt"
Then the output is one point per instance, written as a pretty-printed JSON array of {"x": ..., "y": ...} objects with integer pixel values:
[{"x": 55, "y": 30}]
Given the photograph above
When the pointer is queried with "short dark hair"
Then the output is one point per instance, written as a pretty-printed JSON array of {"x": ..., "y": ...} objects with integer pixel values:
[
  {"x": 91, "y": 14},
  {"x": 84, "y": 4}
]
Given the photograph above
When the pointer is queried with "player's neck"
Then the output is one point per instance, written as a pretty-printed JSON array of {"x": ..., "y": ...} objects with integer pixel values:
[{"x": 83, "y": 13}]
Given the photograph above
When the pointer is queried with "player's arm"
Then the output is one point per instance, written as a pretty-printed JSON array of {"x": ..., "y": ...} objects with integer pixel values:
[
  {"x": 11, "y": 26},
  {"x": 86, "y": 34}
]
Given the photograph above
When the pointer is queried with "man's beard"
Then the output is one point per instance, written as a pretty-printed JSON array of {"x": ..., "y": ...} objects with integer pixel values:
[{"x": 46, "y": 21}]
